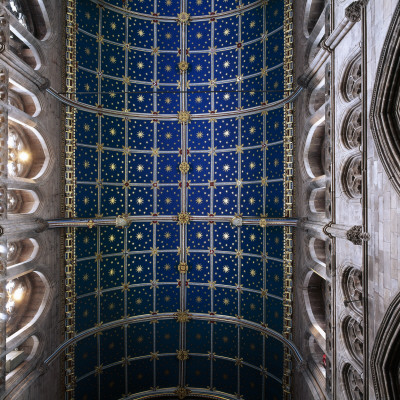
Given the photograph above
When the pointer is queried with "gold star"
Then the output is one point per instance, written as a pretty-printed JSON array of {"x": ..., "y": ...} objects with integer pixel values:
[
  {"x": 125, "y": 287},
  {"x": 239, "y": 149},
  {"x": 239, "y": 253},
  {"x": 111, "y": 272}
]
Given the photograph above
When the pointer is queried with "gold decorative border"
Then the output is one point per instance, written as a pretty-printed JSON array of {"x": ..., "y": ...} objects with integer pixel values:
[
  {"x": 69, "y": 179},
  {"x": 288, "y": 195}
]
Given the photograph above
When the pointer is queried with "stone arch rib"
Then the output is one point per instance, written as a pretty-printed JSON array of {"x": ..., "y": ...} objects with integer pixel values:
[
  {"x": 384, "y": 118},
  {"x": 385, "y": 358}
]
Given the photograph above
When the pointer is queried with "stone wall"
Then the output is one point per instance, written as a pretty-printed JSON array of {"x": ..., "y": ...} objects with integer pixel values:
[
  {"x": 33, "y": 63},
  {"x": 357, "y": 193}
]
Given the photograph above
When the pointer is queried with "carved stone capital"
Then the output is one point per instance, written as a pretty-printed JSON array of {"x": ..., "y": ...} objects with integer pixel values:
[
  {"x": 42, "y": 225},
  {"x": 237, "y": 221},
  {"x": 357, "y": 236},
  {"x": 301, "y": 366},
  {"x": 353, "y": 11},
  {"x": 121, "y": 221}
]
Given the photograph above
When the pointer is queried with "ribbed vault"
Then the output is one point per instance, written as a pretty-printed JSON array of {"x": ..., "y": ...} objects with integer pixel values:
[{"x": 180, "y": 148}]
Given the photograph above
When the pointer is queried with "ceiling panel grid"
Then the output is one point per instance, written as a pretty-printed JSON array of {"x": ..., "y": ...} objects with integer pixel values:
[{"x": 180, "y": 59}]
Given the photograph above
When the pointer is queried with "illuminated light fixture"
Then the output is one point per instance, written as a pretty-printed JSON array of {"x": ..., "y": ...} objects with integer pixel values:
[
  {"x": 14, "y": 294},
  {"x": 23, "y": 156},
  {"x": 18, "y": 293}
]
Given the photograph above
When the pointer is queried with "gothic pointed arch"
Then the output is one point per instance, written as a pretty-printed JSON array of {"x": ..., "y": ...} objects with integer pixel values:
[
  {"x": 385, "y": 356},
  {"x": 385, "y": 117}
]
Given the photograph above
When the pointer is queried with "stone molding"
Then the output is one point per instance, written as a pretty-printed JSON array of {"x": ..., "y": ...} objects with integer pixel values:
[
  {"x": 385, "y": 121},
  {"x": 385, "y": 349}
]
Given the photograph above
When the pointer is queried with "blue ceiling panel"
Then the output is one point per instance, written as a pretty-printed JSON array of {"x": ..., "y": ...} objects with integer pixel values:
[
  {"x": 183, "y": 158},
  {"x": 199, "y": 36}
]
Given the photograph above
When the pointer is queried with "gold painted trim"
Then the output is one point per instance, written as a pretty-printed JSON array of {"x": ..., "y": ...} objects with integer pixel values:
[
  {"x": 288, "y": 197},
  {"x": 70, "y": 258}
]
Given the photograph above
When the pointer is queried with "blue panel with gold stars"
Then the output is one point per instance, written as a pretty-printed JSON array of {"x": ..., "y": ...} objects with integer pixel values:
[{"x": 127, "y": 61}]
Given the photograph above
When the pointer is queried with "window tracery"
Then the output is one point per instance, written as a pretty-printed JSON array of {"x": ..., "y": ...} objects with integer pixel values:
[
  {"x": 352, "y": 177},
  {"x": 353, "y": 383},
  {"x": 353, "y": 80},
  {"x": 352, "y": 287},
  {"x": 354, "y": 337},
  {"x": 351, "y": 133}
]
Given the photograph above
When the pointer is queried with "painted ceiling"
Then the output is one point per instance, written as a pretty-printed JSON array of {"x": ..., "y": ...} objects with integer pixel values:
[{"x": 158, "y": 164}]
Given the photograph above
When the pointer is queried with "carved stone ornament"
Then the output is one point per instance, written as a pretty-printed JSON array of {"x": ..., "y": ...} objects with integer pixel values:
[
  {"x": 182, "y": 392},
  {"x": 184, "y": 167},
  {"x": 182, "y": 316},
  {"x": 357, "y": 236},
  {"x": 353, "y": 11},
  {"x": 42, "y": 225},
  {"x": 182, "y": 355},
  {"x": 183, "y": 218},
  {"x": 184, "y": 117},
  {"x": 183, "y": 66},
  {"x": 121, "y": 221},
  {"x": 237, "y": 221},
  {"x": 183, "y": 268},
  {"x": 183, "y": 18},
  {"x": 1, "y": 231},
  {"x": 301, "y": 366}
]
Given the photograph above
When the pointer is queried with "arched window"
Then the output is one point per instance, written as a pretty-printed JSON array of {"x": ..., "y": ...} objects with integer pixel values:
[
  {"x": 22, "y": 201},
  {"x": 352, "y": 82},
  {"x": 21, "y": 251},
  {"x": 25, "y": 296},
  {"x": 351, "y": 130},
  {"x": 352, "y": 177},
  {"x": 27, "y": 155},
  {"x": 314, "y": 296},
  {"x": 314, "y": 151},
  {"x": 352, "y": 288},
  {"x": 317, "y": 200},
  {"x": 354, "y": 337},
  {"x": 19, "y": 154},
  {"x": 353, "y": 382}
]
